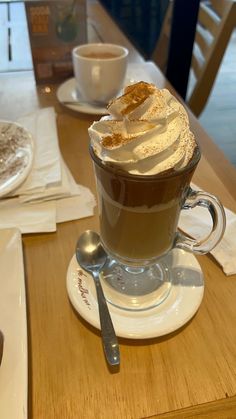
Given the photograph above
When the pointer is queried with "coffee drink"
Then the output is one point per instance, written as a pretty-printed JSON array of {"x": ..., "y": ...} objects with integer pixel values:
[
  {"x": 99, "y": 71},
  {"x": 101, "y": 55},
  {"x": 138, "y": 214},
  {"x": 144, "y": 156}
]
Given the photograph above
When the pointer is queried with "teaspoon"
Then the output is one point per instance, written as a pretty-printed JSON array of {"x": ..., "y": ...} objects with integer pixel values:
[{"x": 91, "y": 257}]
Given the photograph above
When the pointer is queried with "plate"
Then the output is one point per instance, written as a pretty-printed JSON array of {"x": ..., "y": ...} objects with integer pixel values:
[
  {"x": 14, "y": 367},
  {"x": 16, "y": 156},
  {"x": 67, "y": 90},
  {"x": 179, "y": 307}
]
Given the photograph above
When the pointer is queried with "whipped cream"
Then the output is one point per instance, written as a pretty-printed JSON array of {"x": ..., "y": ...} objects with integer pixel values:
[{"x": 147, "y": 132}]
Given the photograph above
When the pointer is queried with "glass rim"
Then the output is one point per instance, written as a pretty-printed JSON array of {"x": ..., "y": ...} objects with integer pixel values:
[{"x": 159, "y": 176}]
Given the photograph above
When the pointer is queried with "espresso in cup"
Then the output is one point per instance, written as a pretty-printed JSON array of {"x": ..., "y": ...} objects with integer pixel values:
[
  {"x": 100, "y": 55},
  {"x": 99, "y": 71},
  {"x": 144, "y": 156}
]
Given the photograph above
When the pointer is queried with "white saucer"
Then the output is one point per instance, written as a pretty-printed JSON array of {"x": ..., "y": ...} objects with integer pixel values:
[
  {"x": 179, "y": 307},
  {"x": 16, "y": 156},
  {"x": 67, "y": 92}
]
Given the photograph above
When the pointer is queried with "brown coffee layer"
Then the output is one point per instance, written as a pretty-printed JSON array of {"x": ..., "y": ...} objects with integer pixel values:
[
  {"x": 100, "y": 55},
  {"x": 139, "y": 214},
  {"x": 137, "y": 235},
  {"x": 135, "y": 191}
]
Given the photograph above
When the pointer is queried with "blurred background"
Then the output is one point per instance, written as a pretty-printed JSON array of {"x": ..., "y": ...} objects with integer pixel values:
[
  {"x": 143, "y": 21},
  {"x": 148, "y": 24}
]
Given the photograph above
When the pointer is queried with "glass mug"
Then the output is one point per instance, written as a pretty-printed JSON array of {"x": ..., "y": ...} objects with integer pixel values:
[{"x": 138, "y": 226}]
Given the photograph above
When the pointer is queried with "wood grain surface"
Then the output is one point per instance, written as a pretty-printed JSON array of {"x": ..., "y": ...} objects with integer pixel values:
[{"x": 190, "y": 373}]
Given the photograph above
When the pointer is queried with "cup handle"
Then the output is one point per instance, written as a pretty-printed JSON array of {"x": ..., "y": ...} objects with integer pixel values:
[{"x": 206, "y": 244}]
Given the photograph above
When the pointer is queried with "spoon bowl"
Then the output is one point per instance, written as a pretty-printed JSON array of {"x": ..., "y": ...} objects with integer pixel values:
[
  {"x": 89, "y": 251},
  {"x": 91, "y": 256}
]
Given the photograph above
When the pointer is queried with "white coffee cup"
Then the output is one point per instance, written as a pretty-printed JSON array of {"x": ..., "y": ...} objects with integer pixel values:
[{"x": 99, "y": 71}]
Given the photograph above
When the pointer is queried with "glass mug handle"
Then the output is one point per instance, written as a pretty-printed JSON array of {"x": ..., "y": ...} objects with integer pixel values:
[{"x": 216, "y": 210}]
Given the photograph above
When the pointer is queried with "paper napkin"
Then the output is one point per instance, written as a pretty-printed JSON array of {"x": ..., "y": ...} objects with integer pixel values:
[
  {"x": 46, "y": 170},
  {"x": 137, "y": 72},
  {"x": 29, "y": 218},
  {"x": 197, "y": 223},
  {"x": 50, "y": 194}
]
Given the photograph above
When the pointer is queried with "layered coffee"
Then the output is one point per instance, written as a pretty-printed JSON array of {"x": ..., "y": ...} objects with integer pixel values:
[{"x": 144, "y": 155}]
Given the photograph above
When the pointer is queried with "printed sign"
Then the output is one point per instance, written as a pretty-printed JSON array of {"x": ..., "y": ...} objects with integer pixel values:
[{"x": 55, "y": 27}]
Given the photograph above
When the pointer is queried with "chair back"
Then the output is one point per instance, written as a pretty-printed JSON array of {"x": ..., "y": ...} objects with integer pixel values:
[{"x": 216, "y": 21}]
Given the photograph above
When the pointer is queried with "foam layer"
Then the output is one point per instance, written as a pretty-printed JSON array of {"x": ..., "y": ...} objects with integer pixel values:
[{"x": 146, "y": 133}]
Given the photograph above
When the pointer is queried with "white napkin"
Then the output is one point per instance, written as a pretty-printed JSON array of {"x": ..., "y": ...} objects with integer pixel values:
[
  {"x": 197, "y": 223},
  {"x": 66, "y": 187},
  {"x": 136, "y": 72},
  {"x": 46, "y": 170},
  {"x": 75, "y": 207},
  {"x": 50, "y": 194},
  {"x": 29, "y": 218}
]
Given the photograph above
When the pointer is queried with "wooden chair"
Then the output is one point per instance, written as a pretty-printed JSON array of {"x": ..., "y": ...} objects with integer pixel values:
[{"x": 216, "y": 21}]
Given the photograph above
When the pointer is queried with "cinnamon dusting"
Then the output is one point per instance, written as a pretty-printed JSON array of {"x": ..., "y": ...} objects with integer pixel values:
[
  {"x": 115, "y": 140},
  {"x": 135, "y": 95}
]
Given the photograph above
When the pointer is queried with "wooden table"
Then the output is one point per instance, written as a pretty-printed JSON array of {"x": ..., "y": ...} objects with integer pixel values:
[{"x": 190, "y": 373}]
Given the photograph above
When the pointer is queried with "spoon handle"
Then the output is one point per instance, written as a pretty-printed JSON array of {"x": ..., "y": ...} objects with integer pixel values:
[{"x": 109, "y": 339}]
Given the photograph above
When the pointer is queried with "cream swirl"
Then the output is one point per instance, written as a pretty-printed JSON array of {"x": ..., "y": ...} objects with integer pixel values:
[{"x": 147, "y": 132}]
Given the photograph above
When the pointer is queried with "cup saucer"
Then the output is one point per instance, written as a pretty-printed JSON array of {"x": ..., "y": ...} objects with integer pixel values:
[
  {"x": 66, "y": 92},
  {"x": 178, "y": 308}
]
